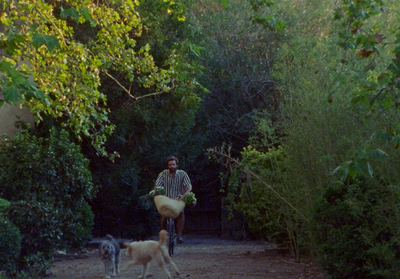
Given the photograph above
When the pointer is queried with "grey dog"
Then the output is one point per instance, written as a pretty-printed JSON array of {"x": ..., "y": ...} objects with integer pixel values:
[{"x": 110, "y": 255}]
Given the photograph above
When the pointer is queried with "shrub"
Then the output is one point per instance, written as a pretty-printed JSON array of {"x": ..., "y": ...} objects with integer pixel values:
[
  {"x": 47, "y": 181},
  {"x": 39, "y": 227},
  {"x": 10, "y": 245},
  {"x": 357, "y": 230},
  {"x": 3, "y": 205},
  {"x": 271, "y": 205},
  {"x": 78, "y": 225}
]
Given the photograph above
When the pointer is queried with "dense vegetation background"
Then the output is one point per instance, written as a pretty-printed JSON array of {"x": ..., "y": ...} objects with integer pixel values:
[{"x": 286, "y": 111}]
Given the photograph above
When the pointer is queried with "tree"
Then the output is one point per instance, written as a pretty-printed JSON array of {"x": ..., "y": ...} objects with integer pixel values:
[
  {"x": 148, "y": 130},
  {"x": 238, "y": 56},
  {"x": 369, "y": 32},
  {"x": 56, "y": 55},
  {"x": 323, "y": 118}
]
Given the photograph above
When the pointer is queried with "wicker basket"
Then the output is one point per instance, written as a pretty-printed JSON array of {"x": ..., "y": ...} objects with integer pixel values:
[{"x": 168, "y": 207}]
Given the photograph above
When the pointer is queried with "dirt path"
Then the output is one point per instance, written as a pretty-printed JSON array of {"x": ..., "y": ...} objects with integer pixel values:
[{"x": 202, "y": 257}]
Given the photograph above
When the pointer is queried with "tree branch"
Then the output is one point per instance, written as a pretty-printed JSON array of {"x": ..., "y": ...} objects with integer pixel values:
[{"x": 128, "y": 91}]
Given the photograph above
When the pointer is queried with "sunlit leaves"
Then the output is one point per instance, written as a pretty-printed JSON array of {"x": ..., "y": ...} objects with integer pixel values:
[
  {"x": 174, "y": 8},
  {"x": 86, "y": 15},
  {"x": 67, "y": 48},
  {"x": 69, "y": 12},
  {"x": 51, "y": 42},
  {"x": 15, "y": 84},
  {"x": 10, "y": 44}
]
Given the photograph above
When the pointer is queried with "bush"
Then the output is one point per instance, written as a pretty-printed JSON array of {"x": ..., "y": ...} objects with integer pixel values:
[
  {"x": 357, "y": 230},
  {"x": 39, "y": 225},
  {"x": 272, "y": 206},
  {"x": 78, "y": 225},
  {"x": 3, "y": 205},
  {"x": 47, "y": 181},
  {"x": 10, "y": 245}
]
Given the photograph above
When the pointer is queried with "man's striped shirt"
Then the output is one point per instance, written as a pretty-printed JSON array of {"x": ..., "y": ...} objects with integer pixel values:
[{"x": 174, "y": 186}]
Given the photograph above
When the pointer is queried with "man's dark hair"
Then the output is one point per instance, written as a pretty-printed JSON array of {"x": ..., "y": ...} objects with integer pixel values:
[{"x": 172, "y": 158}]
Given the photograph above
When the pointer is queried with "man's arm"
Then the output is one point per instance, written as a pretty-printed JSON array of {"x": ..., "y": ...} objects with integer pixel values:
[
  {"x": 187, "y": 185},
  {"x": 159, "y": 181}
]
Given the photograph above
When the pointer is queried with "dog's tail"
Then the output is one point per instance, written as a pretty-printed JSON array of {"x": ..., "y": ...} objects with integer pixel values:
[{"x": 163, "y": 237}]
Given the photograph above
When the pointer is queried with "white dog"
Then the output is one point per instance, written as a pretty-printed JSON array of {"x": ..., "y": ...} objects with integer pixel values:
[
  {"x": 110, "y": 255},
  {"x": 143, "y": 252}
]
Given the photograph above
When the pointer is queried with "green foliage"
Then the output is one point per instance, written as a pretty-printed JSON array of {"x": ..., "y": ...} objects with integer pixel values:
[
  {"x": 253, "y": 73},
  {"x": 47, "y": 169},
  {"x": 263, "y": 15},
  {"x": 161, "y": 8},
  {"x": 3, "y": 205},
  {"x": 368, "y": 28},
  {"x": 336, "y": 108},
  {"x": 47, "y": 182},
  {"x": 39, "y": 227},
  {"x": 59, "y": 53},
  {"x": 10, "y": 245},
  {"x": 321, "y": 129},
  {"x": 159, "y": 190},
  {"x": 357, "y": 232},
  {"x": 36, "y": 266},
  {"x": 190, "y": 199},
  {"x": 360, "y": 163},
  {"x": 277, "y": 197},
  {"x": 353, "y": 16},
  {"x": 77, "y": 226},
  {"x": 272, "y": 207},
  {"x": 259, "y": 204},
  {"x": 149, "y": 129},
  {"x": 237, "y": 55},
  {"x": 328, "y": 120},
  {"x": 117, "y": 206}
]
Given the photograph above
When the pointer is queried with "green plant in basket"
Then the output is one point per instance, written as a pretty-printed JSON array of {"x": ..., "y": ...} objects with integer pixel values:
[
  {"x": 190, "y": 199},
  {"x": 157, "y": 191},
  {"x": 147, "y": 200}
]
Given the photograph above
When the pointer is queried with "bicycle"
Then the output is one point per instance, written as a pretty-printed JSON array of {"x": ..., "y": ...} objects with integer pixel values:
[
  {"x": 169, "y": 208},
  {"x": 172, "y": 235}
]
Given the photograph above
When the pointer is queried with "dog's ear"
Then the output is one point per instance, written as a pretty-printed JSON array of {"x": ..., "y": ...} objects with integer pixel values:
[
  {"x": 109, "y": 237},
  {"x": 163, "y": 234},
  {"x": 126, "y": 244}
]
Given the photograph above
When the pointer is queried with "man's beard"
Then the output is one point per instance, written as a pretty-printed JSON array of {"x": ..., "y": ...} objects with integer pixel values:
[{"x": 172, "y": 170}]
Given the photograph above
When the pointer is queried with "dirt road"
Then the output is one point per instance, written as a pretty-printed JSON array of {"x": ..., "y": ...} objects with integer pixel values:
[{"x": 200, "y": 257}]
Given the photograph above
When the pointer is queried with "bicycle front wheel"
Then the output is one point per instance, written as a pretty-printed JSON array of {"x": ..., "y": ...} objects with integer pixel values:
[{"x": 172, "y": 235}]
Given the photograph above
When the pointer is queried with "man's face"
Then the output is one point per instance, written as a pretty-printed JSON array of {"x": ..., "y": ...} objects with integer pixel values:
[{"x": 172, "y": 166}]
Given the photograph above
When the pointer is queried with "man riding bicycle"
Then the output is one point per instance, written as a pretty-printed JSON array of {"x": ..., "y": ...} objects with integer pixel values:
[{"x": 176, "y": 184}]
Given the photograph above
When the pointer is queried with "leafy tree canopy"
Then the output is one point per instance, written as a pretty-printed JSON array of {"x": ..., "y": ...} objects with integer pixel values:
[{"x": 55, "y": 54}]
